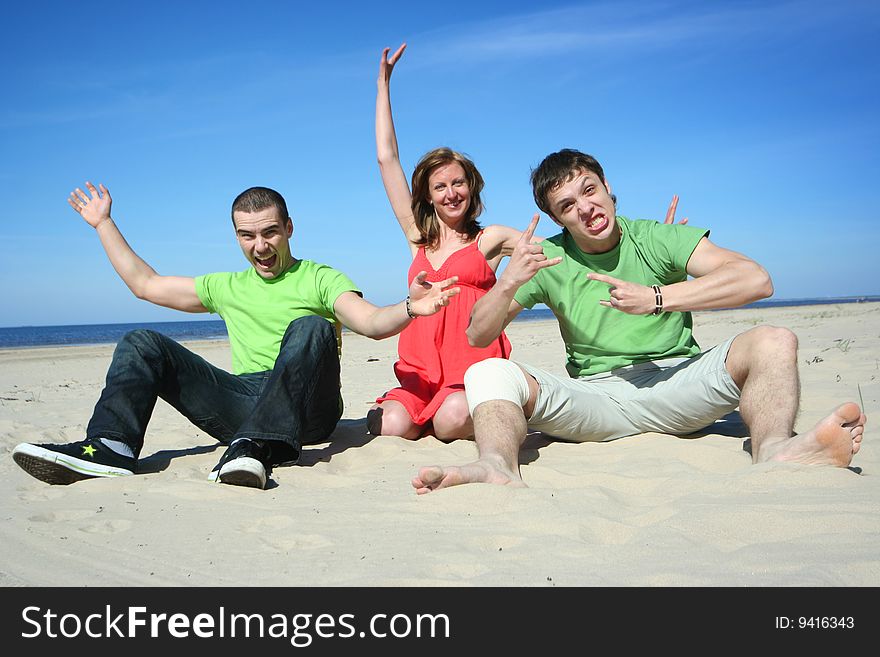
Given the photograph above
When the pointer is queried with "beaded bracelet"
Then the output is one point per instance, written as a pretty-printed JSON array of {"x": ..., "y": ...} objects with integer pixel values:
[{"x": 409, "y": 311}]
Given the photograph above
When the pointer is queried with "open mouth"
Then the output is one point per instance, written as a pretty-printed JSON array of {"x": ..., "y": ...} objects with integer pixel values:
[
  {"x": 266, "y": 263},
  {"x": 597, "y": 224}
]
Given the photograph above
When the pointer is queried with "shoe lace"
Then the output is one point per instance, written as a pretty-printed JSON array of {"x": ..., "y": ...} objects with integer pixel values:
[
  {"x": 263, "y": 449},
  {"x": 227, "y": 456}
]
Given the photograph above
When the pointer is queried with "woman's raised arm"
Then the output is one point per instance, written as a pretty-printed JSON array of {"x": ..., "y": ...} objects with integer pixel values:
[{"x": 393, "y": 177}]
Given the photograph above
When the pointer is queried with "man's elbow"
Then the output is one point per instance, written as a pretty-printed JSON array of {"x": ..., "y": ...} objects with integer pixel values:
[
  {"x": 475, "y": 339},
  {"x": 142, "y": 292},
  {"x": 763, "y": 284},
  {"x": 152, "y": 288}
]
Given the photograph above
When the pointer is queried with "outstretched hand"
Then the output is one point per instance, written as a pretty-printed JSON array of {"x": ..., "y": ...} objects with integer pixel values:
[
  {"x": 427, "y": 298},
  {"x": 630, "y": 298},
  {"x": 95, "y": 209},
  {"x": 386, "y": 64},
  {"x": 670, "y": 213},
  {"x": 527, "y": 258}
]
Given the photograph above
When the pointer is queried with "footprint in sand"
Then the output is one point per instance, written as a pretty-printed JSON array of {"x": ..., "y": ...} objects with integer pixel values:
[
  {"x": 43, "y": 494},
  {"x": 62, "y": 516},
  {"x": 295, "y": 541},
  {"x": 85, "y": 519},
  {"x": 112, "y": 526},
  {"x": 602, "y": 531},
  {"x": 270, "y": 523},
  {"x": 283, "y": 533},
  {"x": 465, "y": 571}
]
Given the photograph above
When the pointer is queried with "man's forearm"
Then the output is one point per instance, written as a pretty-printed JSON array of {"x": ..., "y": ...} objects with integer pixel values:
[
  {"x": 489, "y": 315},
  {"x": 384, "y": 322},
  {"x": 735, "y": 284}
]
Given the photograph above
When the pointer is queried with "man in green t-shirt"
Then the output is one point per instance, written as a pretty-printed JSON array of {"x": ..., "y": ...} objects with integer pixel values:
[
  {"x": 282, "y": 315},
  {"x": 622, "y": 292}
]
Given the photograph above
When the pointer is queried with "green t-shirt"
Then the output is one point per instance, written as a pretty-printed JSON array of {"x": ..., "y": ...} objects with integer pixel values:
[
  {"x": 257, "y": 311},
  {"x": 599, "y": 339}
]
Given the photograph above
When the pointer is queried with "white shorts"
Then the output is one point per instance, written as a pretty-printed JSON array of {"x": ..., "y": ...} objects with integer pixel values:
[{"x": 676, "y": 396}]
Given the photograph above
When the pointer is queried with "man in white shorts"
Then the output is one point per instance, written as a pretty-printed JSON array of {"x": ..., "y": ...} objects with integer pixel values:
[{"x": 622, "y": 291}]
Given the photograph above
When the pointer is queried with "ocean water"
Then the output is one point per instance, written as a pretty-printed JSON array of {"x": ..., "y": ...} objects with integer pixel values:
[{"x": 84, "y": 334}]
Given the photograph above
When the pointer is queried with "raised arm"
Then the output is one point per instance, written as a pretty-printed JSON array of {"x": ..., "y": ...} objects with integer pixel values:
[
  {"x": 495, "y": 309},
  {"x": 376, "y": 322},
  {"x": 393, "y": 177},
  {"x": 176, "y": 292}
]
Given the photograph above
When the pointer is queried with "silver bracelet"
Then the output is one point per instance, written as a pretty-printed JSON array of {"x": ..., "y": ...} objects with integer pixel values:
[{"x": 409, "y": 311}]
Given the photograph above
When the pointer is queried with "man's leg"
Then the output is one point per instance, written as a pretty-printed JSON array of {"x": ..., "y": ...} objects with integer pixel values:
[
  {"x": 300, "y": 403},
  {"x": 146, "y": 365},
  {"x": 500, "y": 427},
  {"x": 763, "y": 363}
]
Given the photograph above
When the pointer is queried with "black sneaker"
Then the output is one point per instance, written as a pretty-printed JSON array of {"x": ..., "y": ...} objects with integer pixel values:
[
  {"x": 245, "y": 463},
  {"x": 65, "y": 464}
]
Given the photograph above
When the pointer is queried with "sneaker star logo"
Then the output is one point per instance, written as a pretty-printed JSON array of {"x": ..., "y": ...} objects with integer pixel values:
[{"x": 89, "y": 450}]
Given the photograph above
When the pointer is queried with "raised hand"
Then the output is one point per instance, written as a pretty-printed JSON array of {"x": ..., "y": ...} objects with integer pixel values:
[
  {"x": 94, "y": 208},
  {"x": 427, "y": 298},
  {"x": 386, "y": 64},
  {"x": 670, "y": 213},
  {"x": 630, "y": 298},
  {"x": 527, "y": 258}
]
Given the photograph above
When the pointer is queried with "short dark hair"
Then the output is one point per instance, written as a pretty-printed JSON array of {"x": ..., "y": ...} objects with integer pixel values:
[
  {"x": 423, "y": 212},
  {"x": 255, "y": 199},
  {"x": 558, "y": 168}
]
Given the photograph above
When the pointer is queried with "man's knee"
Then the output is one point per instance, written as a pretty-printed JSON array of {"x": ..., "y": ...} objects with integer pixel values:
[
  {"x": 773, "y": 340},
  {"x": 310, "y": 325},
  {"x": 494, "y": 379},
  {"x": 759, "y": 347},
  {"x": 140, "y": 342},
  {"x": 140, "y": 337},
  {"x": 313, "y": 337}
]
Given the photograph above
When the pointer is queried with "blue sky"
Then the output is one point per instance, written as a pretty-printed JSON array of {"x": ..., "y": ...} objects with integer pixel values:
[{"x": 763, "y": 116}]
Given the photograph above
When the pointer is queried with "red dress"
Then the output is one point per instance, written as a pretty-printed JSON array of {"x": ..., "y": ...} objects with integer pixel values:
[{"x": 433, "y": 351}]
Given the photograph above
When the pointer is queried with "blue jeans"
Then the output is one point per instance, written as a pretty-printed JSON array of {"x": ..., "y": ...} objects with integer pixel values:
[{"x": 296, "y": 402}]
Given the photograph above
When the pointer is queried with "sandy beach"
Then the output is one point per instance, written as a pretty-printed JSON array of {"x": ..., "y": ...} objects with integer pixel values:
[{"x": 649, "y": 510}]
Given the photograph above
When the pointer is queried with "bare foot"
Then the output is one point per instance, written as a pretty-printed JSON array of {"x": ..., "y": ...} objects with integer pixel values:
[
  {"x": 435, "y": 477},
  {"x": 833, "y": 441}
]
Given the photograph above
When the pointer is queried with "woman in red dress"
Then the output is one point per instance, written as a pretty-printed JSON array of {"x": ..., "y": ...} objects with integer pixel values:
[{"x": 439, "y": 220}]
